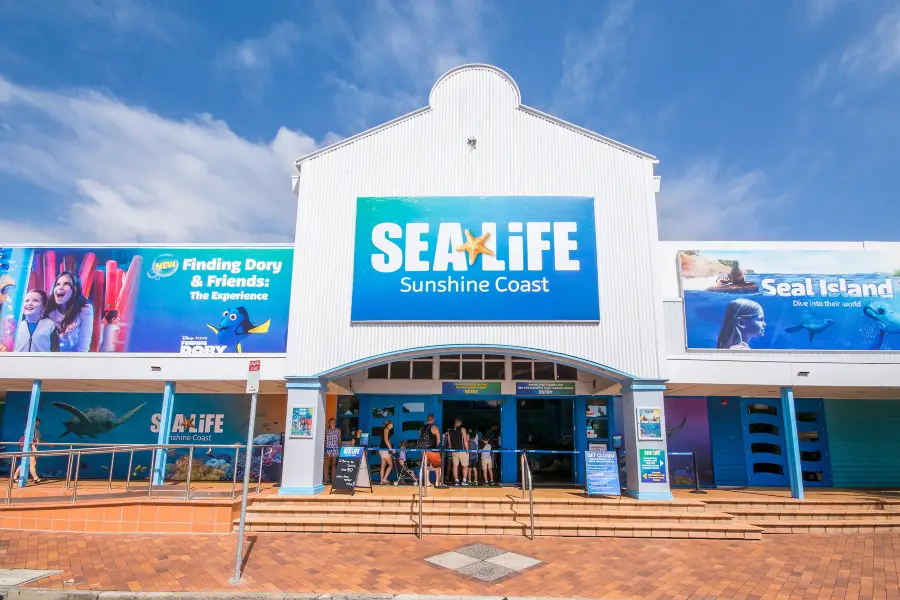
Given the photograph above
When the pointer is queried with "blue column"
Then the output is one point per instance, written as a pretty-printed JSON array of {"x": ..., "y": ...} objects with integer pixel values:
[
  {"x": 29, "y": 428},
  {"x": 166, "y": 418},
  {"x": 509, "y": 461},
  {"x": 792, "y": 442}
]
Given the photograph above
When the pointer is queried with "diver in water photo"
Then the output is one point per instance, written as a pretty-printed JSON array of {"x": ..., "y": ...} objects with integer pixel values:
[{"x": 744, "y": 320}]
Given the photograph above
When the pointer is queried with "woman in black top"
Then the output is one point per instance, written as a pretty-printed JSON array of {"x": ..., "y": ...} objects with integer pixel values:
[
  {"x": 387, "y": 448},
  {"x": 357, "y": 436}
]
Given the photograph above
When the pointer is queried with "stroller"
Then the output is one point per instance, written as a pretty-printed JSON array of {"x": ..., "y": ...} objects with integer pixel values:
[{"x": 404, "y": 469}]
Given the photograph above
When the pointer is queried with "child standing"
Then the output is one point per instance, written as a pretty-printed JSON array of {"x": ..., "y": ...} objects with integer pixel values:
[
  {"x": 36, "y": 333},
  {"x": 487, "y": 462},
  {"x": 110, "y": 333}
]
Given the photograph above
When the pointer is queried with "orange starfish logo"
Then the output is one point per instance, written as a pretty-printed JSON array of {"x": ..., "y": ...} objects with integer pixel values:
[
  {"x": 475, "y": 246},
  {"x": 188, "y": 423}
]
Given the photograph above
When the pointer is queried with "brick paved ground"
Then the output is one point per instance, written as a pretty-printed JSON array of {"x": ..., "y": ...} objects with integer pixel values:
[{"x": 803, "y": 567}]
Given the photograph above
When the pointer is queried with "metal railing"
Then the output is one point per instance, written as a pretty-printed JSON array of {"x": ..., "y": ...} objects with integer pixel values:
[
  {"x": 528, "y": 483},
  {"x": 74, "y": 453},
  {"x": 423, "y": 473}
]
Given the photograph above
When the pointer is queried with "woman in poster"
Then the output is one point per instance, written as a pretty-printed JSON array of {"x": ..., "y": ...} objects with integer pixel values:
[
  {"x": 35, "y": 332},
  {"x": 72, "y": 313},
  {"x": 744, "y": 320}
]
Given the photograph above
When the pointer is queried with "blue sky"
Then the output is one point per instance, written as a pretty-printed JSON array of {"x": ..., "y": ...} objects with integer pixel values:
[{"x": 139, "y": 120}]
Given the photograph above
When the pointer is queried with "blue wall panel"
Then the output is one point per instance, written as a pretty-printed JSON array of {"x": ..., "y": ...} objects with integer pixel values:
[
  {"x": 727, "y": 437},
  {"x": 864, "y": 442},
  {"x": 765, "y": 444},
  {"x": 815, "y": 461}
]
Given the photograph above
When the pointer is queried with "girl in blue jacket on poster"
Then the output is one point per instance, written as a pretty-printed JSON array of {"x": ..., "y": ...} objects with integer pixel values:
[{"x": 35, "y": 332}]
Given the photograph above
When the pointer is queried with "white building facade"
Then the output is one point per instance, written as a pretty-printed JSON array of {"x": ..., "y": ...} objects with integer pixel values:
[{"x": 483, "y": 261}]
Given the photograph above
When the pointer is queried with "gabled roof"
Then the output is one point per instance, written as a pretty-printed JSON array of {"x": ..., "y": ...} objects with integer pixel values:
[{"x": 527, "y": 109}]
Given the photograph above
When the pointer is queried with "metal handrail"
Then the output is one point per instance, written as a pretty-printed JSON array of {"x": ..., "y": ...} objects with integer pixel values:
[
  {"x": 526, "y": 475},
  {"x": 75, "y": 454},
  {"x": 423, "y": 473}
]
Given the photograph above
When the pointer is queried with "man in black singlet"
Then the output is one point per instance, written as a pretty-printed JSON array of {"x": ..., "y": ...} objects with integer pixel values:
[{"x": 429, "y": 439}]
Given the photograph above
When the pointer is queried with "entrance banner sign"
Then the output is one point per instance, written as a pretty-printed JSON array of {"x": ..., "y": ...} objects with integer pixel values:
[
  {"x": 653, "y": 466},
  {"x": 470, "y": 259},
  {"x": 602, "y": 473},
  {"x": 649, "y": 424},
  {"x": 184, "y": 300},
  {"x": 302, "y": 421},
  {"x": 545, "y": 388},
  {"x": 810, "y": 300},
  {"x": 470, "y": 388}
]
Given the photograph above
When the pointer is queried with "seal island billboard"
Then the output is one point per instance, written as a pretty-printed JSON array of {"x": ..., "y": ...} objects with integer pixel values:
[
  {"x": 791, "y": 299},
  {"x": 145, "y": 300}
]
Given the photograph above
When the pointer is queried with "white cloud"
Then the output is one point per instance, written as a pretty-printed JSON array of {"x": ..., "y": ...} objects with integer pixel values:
[
  {"x": 258, "y": 54},
  {"x": 705, "y": 203},
  {"x": 818, "y": 11},
  {"x": 868, "y": 60},
  {"x": 122, "y": 173},
  {"x": 878, "y": 52},
  {"x": 592, "y": 59},
  {"x": 121, "y": 17},
  {"x": 398, "y": 48}
]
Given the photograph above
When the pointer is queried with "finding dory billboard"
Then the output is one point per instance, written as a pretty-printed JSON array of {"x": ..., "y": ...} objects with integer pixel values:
[
  {"x": 791, "y": 299},
  {"x": 185, "y": 300}
]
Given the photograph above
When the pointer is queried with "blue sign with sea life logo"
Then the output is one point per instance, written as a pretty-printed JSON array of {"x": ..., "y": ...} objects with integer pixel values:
[
  {"x": 791, "y": 299},
  {"x": 465, "y": 259},
  {"x": 104, "y": 419}
]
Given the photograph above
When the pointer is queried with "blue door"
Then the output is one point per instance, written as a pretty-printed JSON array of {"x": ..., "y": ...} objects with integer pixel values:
[
  {"x": 766, "y": 450},
  {"x": 764, "y": 442},
  {"x": 815, "y": 462},
  {"x": 407, "y": 413}
]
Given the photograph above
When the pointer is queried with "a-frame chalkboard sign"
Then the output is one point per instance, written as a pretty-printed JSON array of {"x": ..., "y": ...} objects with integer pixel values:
[{"x": 352, "y": 470}]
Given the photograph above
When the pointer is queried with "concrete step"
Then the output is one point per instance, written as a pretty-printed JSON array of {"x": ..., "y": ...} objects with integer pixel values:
[
  {"x": 833, "y": 526},
  {"x": 568, "y": 528},
  {"x": 593, "y": 504},
  {"x": 789, "y": 504},
  {"x": 797, "y": 514},
  {"x": 486, "y": 513}
]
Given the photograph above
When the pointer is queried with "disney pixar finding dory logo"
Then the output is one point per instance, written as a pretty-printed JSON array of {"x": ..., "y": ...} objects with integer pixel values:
[{"x": 475, "y": 259}]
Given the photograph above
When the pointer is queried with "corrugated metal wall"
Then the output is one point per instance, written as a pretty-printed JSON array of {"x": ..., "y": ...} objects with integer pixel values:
[
  {"x": 864, "y": 442},
  {"x": 517, "y": 153}
]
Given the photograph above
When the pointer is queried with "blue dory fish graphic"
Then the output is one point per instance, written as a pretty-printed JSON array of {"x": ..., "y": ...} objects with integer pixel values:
[
  {"x": 235, "y": 326},
  {"x": 813, "y": 326}
]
